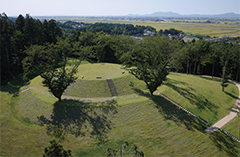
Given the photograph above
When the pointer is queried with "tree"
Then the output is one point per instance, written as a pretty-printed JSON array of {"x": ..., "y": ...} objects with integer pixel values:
[
  {"x": 58, "y": 79},
  {"x": 51, "y": 64},
  {"x": 225, "y": 76},
  {"x": 224, "y": 60},
  {"x": 150, "y": 60},
  {"x": 57, "y": 150}
]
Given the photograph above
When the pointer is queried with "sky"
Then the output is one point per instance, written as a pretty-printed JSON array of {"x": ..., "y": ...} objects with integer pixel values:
[{"x": 116, "y": 7}]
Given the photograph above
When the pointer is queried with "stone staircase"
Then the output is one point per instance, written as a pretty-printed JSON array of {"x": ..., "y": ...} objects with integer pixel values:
[{"x": 111, "y": 86}]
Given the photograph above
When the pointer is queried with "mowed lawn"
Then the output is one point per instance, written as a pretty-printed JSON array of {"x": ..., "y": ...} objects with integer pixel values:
[
  {"x": 156, "y": 126},
  {"x": 201, "y": 95}
]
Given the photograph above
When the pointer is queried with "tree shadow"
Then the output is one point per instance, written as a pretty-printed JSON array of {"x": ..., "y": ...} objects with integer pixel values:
[
  {"x": 225, "y": 143},
  {"x": 171, "y": 112},
  {"x": 137, "y": 90},
  {"x": 210, "y": 78},
  {"x": 189, "y": 93},
  {"x": 80, "y": 119},
  {"x": 231, "y": 95}
]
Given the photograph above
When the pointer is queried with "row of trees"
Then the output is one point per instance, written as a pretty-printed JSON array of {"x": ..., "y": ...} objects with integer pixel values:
[
  {"x": 16, "y": 37},
  {"x": 153, "y": 57},
  {"x": 108, "y": 28}
]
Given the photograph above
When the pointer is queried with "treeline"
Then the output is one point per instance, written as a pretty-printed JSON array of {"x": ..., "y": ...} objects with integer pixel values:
[
  {"x": 171, "y": 31},
  {"x": 17, "y": 36},
  {"x": 109, "y": 28},
  {"x": 25, "y": 43}
]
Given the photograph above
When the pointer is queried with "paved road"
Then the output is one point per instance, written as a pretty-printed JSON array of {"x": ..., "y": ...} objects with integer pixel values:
[{"x": 229, "y": 117}]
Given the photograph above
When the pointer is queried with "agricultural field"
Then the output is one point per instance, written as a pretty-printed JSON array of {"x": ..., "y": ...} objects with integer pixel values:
[
  {"x": 220, "y": 29},
  {"x": 155, "y": 125}
]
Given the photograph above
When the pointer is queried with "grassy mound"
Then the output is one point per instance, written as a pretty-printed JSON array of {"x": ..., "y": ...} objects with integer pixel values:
[{"x": 156, "y": 126}]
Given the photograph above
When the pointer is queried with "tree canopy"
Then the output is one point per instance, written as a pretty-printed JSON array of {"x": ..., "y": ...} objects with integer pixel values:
[{"x": 150, "y": 61}]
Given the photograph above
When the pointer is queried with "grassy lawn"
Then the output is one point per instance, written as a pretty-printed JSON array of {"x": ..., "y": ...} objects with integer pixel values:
[
  {"x": 104, "y": 70},
  {"x": 128, "y": 85},
  {"x": 155, "y": 126},
  {"x": 201, "y": 95},
  {"x": 89, "y": 89},
  {"x": 19, "y": 137},
  {"x": 233, "y": 127}
]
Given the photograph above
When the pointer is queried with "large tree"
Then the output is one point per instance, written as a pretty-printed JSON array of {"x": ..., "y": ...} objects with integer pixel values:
[
  {"x": 51, "y": 63},
  {"x": 150, "y": 60}
]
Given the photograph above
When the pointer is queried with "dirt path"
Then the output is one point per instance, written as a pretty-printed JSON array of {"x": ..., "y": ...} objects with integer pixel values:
[{"x": 229, "y": 117}]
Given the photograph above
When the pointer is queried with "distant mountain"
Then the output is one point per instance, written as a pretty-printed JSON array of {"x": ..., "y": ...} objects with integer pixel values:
[
  {"x": 172, "y": 14},
  {"x": 165, "y": 14}
]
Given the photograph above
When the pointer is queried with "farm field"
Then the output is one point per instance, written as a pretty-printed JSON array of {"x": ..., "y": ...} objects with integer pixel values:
[
  {"x": 218, "y": 30},
  {"x": 155, "y": 125}
]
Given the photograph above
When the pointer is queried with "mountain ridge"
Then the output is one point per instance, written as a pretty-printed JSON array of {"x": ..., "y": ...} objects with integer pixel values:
[{"x": 173, "y": 14}]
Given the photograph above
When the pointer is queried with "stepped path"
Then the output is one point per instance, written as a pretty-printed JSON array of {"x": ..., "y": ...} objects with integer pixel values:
[
  {"x": 229, "y": 117},
  {"x": 111, "y": 86}
]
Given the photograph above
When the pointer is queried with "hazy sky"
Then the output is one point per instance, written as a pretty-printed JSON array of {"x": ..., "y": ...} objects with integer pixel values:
[{"x": 116, "y": 7}]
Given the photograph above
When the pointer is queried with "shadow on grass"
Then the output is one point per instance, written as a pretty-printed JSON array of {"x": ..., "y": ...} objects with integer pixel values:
[
  {"x": 210, "y": 78},
  {"x": 171, "y": 112},
  {"x": 225, "y": 143},
  {"x": 189, "y": 93},
  {"x": 231, "y": 95},
  {"x": 80, "y": 119}
]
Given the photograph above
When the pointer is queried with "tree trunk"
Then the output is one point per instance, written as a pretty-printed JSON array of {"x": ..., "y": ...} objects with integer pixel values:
[
  {"x": 187, "y": 65},
  {"x": 223, "y": 88},
  {"x": 194, "y": 70}
]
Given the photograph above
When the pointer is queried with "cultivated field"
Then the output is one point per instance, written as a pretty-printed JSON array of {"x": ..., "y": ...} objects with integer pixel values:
[{"x": 220, "y": 29}]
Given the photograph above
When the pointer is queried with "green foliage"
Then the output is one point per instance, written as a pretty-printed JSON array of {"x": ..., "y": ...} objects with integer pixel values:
[
  {"x": 56, "y": 149},
  {"x": 108, "y": 28},
  {"x": 225, "y": 77},
  {"x": 150, "y": 60}
]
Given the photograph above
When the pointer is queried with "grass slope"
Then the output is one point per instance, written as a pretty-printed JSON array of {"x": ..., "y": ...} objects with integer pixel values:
[
  {"x": 128, "y": 85},
  {"x": 19, "y": 137},
  {"x": 201, "y": 95},
  {"x": 156, "y": 126},
  {"x": 89, "y": 89}
]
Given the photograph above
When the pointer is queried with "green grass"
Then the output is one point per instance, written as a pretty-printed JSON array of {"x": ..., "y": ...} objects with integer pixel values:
[
  {"x": 158, "y": 128},
  {"x": 155, "y": 125},
  {"x": 89, "y": 89},
  {"x": 201, "y": 95},
  {"x": 19, "y": 137},
  {"x": 103, "y": 70},
  {"x": 128, "y": 85},
  {"x": 233, "y": 127}
]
